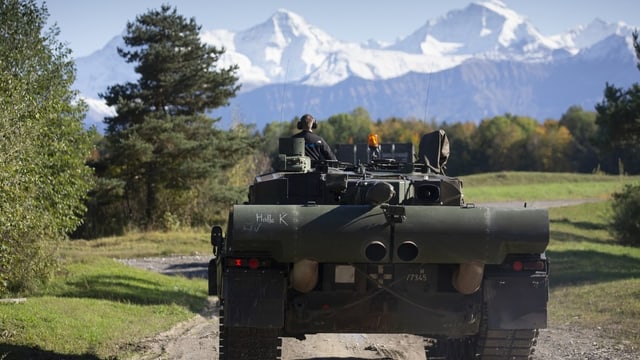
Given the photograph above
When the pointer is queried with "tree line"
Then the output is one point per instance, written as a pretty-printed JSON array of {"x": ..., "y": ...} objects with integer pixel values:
[
  {"x": 501, "y": 143},
  {"x": 163, "y": 164}
]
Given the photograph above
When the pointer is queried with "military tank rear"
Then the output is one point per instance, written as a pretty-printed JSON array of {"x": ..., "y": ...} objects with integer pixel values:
[{"x": 381, "y": 246}]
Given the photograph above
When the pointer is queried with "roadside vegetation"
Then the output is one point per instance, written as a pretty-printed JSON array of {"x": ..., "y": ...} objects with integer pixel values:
[
  {"x": 96, "y": 308},
  {"x": 99, "y": 308}
]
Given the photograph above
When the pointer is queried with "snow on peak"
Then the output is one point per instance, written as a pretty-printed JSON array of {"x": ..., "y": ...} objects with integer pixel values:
[
  {"x": 584, "y": 36},
  {"x": 288, "y": 21},
  {"x": 498, "y": 12},
  {"x": 481, "y": 28},
  {"x": 285, "y": 46}
]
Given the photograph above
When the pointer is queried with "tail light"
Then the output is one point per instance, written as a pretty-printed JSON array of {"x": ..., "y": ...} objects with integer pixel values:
[
  {"x": 536, "y": 265},
  {"x": 248, "y": 263}
]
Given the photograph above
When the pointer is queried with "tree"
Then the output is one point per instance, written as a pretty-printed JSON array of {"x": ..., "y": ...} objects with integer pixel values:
[
  {"x": 161, "y": 144},
  {"x": 271, "y": 134},
  {"x": 582, "y": 126},
  {"x": 403, "y": 131},
  {"x": 463, "y": 159},
  {"x": 619, "y": 131},
  {"x": 502, "y": 141},
  {"x": 618, "y": 121},
  {"x": 43, "y": 146},
  {"x": 625, "y": 220},
  {"x": 347, "y": 128},
  {"x": 550, "y": 145}
]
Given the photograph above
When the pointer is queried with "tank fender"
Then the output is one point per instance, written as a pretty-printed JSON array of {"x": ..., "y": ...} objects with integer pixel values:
[
  {"x": 212, "y": 277},
  {"x": 468, "y": 278},
  {"x": 304, "y": 275}
]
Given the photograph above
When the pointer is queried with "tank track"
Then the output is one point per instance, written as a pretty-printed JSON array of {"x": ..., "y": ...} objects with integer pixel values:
[
  {"x": 244, "y": 343},
  {"x": 450, "y": 348},
  {"x": 507, "y": 344}
]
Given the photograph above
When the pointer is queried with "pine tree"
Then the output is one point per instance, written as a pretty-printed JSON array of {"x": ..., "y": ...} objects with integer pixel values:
[
  {"x": 161, "y": 143},
  {"x": 618, "y": 122}
]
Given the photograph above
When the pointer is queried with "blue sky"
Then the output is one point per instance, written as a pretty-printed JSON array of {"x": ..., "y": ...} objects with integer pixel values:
[{"x": 87, "y": 25}]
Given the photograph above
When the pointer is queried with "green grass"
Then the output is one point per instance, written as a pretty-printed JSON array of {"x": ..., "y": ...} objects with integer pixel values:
[
  {"x": 526, "y": 186},
  {"x": 97, "y": 308},
  {"x": 81, "y": 326}
]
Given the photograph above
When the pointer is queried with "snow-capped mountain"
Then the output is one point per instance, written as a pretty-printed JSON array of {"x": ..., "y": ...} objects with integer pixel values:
[
  {"x": 486, "y": 52},
  {"x": 481, "y": 28},
  {"x": 585, "y": 36}
]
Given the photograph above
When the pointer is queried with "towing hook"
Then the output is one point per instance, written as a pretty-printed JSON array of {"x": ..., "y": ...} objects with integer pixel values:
[{"x": 394, "y": 213}]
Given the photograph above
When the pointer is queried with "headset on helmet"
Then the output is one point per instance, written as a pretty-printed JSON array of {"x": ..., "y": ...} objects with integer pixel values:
[{"x": 304, "y": 119}]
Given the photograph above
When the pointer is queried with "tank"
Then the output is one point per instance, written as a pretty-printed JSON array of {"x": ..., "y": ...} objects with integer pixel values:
[{"x": 383, "y": 245}]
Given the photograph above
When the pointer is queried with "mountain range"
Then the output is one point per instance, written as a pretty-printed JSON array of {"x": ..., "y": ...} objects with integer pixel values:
[{"x": 480, "y": 61}]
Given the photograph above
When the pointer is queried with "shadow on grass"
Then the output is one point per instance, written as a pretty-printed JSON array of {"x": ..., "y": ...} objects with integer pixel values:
[
  {"x": 130, "y": 289},
  {"x": 580, "y": 224},
  {"x": 567, "y": 237},
  {"x": 580, "y": 266},
  {"x": 197, "y": 270},
  {"x": 15, "y": 352}
]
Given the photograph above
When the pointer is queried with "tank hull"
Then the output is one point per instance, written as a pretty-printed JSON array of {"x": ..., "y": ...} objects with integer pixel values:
[{"x": 444, "y": 235}]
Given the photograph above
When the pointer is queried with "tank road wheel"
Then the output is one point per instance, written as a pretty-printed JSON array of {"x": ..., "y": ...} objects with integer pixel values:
[
  {"x": 442, "y": 348},
  {"x": 244, "y": 343}
]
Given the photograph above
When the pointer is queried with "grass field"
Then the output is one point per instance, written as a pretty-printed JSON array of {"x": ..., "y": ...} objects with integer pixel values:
[
  {"x": 595, "y": 283},
  {"x": 97, "y": 308},
  {"x": 529, "y": 186}
]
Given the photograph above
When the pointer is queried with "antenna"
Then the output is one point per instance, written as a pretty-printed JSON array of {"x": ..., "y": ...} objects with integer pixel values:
[
  {"x": 426, "y": 100},
  {"x": 284, "y": 85}
]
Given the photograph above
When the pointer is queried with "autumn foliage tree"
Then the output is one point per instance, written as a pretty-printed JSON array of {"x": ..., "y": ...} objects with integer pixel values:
[
  {"x": 551, "y": 145},
  {"x": 583, "y": 153}
]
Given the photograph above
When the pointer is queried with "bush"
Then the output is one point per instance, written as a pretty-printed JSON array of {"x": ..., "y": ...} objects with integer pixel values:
[
  {"x": 625, "y": 221},
  {"x": 43, "y": 147}
]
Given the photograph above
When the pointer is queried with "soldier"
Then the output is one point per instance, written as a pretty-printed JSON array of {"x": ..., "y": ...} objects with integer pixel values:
[{"x": 314, "y": 145}]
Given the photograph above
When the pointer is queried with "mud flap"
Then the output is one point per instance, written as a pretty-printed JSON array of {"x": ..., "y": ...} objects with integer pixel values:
[
  {"x": 254, "y": 298},
  {"x": 212, "y": 276},
  {"x": 516, "y": 302}
]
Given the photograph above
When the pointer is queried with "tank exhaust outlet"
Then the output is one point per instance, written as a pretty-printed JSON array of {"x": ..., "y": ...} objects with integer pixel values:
[
  {"x": 304, "y": 276},
  {"x": 468, "y": 278},
  {"x": 375, "y": 251},
  {"x": 408, "y": 251}
]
